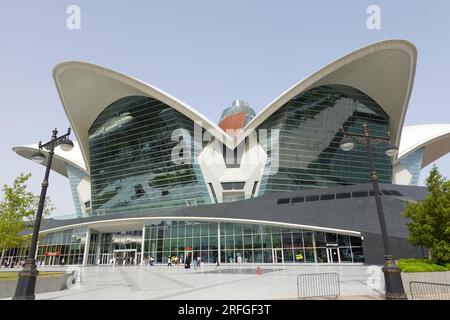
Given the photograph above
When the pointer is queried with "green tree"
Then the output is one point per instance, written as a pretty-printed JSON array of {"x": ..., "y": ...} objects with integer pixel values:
[
  {"x": 17, "y": 212},
  {"x": 430, "y": 219}
]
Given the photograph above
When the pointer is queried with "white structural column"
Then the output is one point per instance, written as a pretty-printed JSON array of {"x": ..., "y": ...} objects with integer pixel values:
[
  {"x": 86, "y": 247},
  {"x": 99, "y": 248},
  {"x": 143, "y": 243},
  {"x": 218, "y": 242}
]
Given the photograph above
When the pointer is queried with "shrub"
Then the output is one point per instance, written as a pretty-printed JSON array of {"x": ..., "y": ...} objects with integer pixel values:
[
  {"x": 441, "y": 252},
  {"x": 420, "y": 265}
]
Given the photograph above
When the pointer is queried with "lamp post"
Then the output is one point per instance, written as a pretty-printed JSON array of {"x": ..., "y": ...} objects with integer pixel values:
[
  {"x": 392, "y": 273},
  {"x": 27, "y": 277}
]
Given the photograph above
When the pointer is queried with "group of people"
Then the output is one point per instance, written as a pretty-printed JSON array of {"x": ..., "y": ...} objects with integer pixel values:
[
  {"x": 21, "y": 263},
  {"x": 13, "y": 264},
  {"x": 198, "y": 263}
]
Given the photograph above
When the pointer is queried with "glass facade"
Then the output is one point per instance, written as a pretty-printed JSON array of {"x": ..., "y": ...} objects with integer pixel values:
[
  {"x": 413, "y": 163},
  {"x": 75, "y": 176},
  {"x": 69, "y": 244},
  {"x": 130, "y": 159},
  {"x": 124, "y": 247},
  {"x": 309, "y": 135},
  {"x": 254, "y": 243}
]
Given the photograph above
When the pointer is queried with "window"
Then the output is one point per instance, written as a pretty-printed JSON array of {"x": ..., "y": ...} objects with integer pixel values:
[
  {"x": 284, "y": 201},
  {"x": 139, "y": 190},
  {"x": 212, "y": 191},
  {"x": 343, "y": 195},
  {"x": 359, "y": 194},
  {"x": 312, "y": 198},
  {"x": 191, "y": 202},
  {"x": 233, "y": 185},
  {"x": 329, "y": 196},
  {"x": 298, "y": 199},
  {"x": 254, "y": 188}
]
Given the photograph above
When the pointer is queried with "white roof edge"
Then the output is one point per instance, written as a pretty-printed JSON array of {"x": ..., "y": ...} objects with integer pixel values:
[
  {"x": 315, "y": 77},
  {"x": 146, "y": 90},
  {"x": 60, "y": 157},
  {"x": 418, "y": 136}
]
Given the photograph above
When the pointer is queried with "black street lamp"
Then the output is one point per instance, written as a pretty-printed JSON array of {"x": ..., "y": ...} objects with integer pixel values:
[
  {"x": 392, "y": 273},
  {"x": 27, "y": 277}
]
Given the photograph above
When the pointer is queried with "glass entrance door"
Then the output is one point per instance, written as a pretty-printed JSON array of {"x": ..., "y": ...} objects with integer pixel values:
[
  {"x": 106, "y": 258},
  {"x": 333, "y": 255},
  {"x": 125, "y": 257},
  {"x": 277, "y": 256}
]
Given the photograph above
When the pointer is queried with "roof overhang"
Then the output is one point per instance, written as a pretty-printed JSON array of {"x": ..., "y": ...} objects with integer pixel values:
[
  {"x": 384, "y": 71},
  {"x": 60, "y": 157},
  {"x": 86, "y": 90},
  {"x": 435, "y": 138}
]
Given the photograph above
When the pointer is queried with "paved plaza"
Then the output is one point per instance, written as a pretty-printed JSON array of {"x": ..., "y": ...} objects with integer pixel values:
[{"x": 209, "y": 283}]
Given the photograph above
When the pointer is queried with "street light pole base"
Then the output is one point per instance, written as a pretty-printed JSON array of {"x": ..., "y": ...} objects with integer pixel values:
[
  {"x": 393, "y": 280},
  {"x": 27, "y": 281}
]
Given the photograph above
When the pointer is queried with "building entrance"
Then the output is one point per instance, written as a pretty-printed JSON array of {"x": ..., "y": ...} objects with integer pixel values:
[
  {"x": 125, "y": 257},
  {"x": 277, "y": 255},
  {"x": 106, "y": 258},
  {"x": 333, "y": 255}
]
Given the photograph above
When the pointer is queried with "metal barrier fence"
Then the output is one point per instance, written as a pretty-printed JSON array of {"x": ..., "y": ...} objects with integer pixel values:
[
  {"x": 318, "y": 285},
  {"x": 429, "y": 291}
]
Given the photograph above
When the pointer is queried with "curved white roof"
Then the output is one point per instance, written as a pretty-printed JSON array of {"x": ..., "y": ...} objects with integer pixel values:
[
  {"x": 86, "y": 90},
  {"x": 434, "y": 137},
  {"x": 384, "y": 71},
  {"x": 60, "y": 157}
]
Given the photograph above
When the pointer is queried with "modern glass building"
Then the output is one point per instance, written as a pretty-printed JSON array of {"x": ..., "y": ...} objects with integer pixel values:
[{"x": 152, "y": 177}]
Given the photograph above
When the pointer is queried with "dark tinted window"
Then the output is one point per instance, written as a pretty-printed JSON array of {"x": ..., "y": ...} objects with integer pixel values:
[
  {"x": 227, "y": 185},
  {"x": 358, "y": 194},
  {"x": 298, "y": 199},
  {"x": 343, "y": 195},
  {"x": 329, "y": 196},
  {"x": 233, "y": 185},
  {"x": 239, "y": 185},
  {"x": 312, "y": 198},
  {"x": 284, "y": 201}
]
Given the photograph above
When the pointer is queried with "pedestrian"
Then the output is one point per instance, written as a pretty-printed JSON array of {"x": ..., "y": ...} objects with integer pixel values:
[
  {"x": 198, "y": 261},
  {"x": 151, "y": 260},
  {"x": 239, "y": 260},
  {"x": 62, "y": 262},
  {"x": 217, "y": 263},
  {"x": 169, "y": 262}
]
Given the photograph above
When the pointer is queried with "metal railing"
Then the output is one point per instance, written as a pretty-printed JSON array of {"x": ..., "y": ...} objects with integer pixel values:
[
  {"x": 429, "y": 291},
  {"x": 318, "y": 285}
]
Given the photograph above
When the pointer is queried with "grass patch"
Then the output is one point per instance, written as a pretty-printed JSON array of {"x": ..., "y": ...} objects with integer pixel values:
[
  {"x": 6, "y": 275},
  {"x": 421, "y": 265}
]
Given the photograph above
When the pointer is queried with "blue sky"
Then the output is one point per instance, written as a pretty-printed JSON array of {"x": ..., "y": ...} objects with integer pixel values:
[{"x": 205, "y": 53}]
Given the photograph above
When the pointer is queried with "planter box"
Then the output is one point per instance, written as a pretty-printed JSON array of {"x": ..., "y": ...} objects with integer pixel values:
[
  {"x": 43, "y": 284},
  {"x": 434, "y": 277}
]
